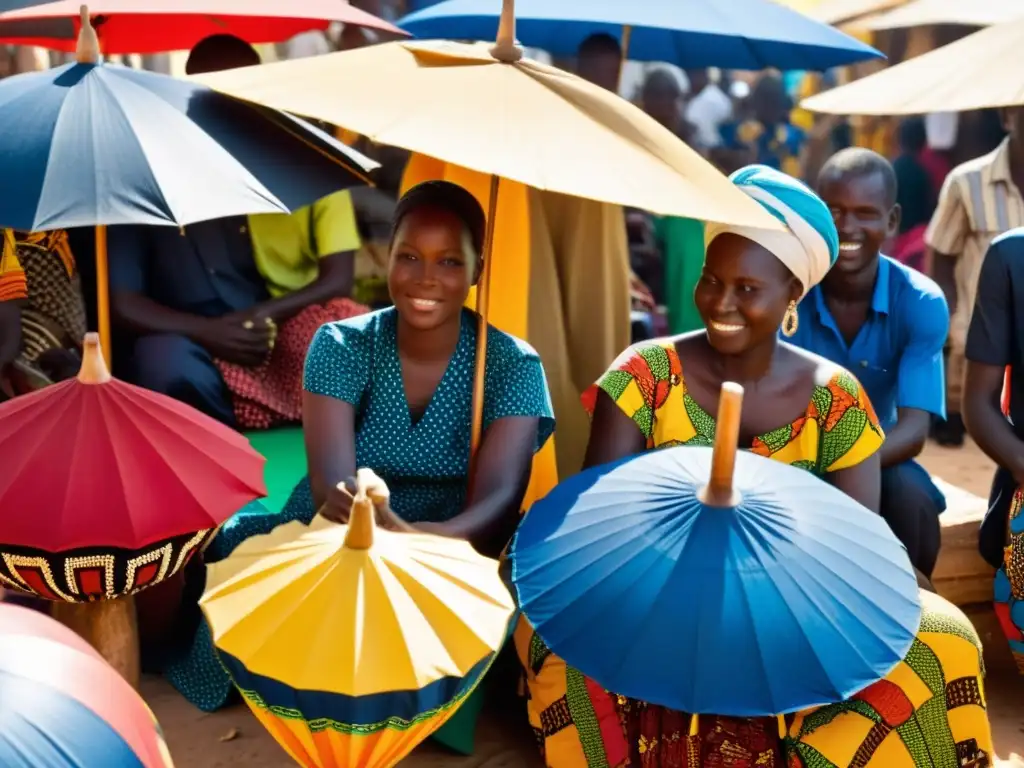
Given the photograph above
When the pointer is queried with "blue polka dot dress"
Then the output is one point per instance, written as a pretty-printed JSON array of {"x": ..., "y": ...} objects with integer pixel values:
[{"x": 425, "y": 463}]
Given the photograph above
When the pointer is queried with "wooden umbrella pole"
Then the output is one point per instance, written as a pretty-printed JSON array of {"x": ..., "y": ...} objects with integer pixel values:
[
  {"x": 627, "y": 34},
  {"x": 361, "y": 523},
  {"x": 103, "y": 293},
  {"x": 87, "y": 51},
  {"x": 483, "y": 300},
  {"x": 719, "y": 492},
  {"x": 109, "y": 626},
  {"x": 505, "y": 47}
]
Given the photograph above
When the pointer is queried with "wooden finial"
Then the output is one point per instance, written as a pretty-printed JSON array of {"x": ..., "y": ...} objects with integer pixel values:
[
  {"x": 361, "y": 523},
  {"x": 719, "y": 492},
  {"x": 88, "y": 49},
  {"x": 94, "y": 368},
  {"x": 505, "y": 48}
]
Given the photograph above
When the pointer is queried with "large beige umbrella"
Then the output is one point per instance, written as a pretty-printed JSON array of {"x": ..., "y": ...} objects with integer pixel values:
[
  {"x": 488, "y": 109},
  {"x": 983, "y": 70},
  {"x": 842, "y": 12},
  {"x": 920, "y": 13}
]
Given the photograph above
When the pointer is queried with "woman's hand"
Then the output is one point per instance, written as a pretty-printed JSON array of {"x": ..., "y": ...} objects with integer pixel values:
[{"x": 338, "y": 504}]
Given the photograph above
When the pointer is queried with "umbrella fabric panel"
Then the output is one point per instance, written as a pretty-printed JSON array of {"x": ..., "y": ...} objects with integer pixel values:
[
  {"x": 42, "y": 727},
  {"x": 361, "y": 715},
  {"x": 983, "y": 70},
  {"x": 638, "y": 550},
  {"x": 738, "y": 34},
  {"x": 165, "y": 25},
  {"x": 458, "y": 104},
  {"x": 129, "y": 456},
  {"x": 86, "y": 144},
  {"x": 52, "y": 672},
  {"x": 429, "y": 622}
]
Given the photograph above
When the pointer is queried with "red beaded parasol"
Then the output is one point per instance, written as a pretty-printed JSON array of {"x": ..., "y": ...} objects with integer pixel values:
[{"x": 107, "y": 489}]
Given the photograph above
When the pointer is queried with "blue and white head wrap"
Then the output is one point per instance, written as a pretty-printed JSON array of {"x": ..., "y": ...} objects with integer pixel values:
[{"x": 809, "y": 245}]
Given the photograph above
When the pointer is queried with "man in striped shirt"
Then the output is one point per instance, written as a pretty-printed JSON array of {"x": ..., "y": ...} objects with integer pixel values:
[{"x": 979, "y": 201}]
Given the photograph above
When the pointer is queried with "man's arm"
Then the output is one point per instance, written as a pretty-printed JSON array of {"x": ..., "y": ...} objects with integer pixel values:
[
  {"x": 921, "y": 388},
  {"x": 132, "y": 309},
  {"x": 990, "y": 348},
  {"x": 946, "y": 235},
  {"x": 336, "y": 238}
]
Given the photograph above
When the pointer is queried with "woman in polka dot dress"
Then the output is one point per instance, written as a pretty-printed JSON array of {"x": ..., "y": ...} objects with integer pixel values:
[{"x": 392, "y": 390}]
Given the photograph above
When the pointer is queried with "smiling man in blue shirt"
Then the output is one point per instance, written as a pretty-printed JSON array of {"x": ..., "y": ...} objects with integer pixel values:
[{"x": 887, "y": 324}]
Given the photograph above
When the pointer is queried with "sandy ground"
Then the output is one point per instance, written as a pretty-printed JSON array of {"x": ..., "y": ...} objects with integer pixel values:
[{"x": 234, "y": 738}]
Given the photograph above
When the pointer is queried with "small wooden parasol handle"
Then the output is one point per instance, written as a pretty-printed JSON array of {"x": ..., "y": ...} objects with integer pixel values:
[
  {"x": 719, "y": 492},
  {"x": 362, "y": 522},
  {"x": 87, "y": 51},
  {"x": 94, "y": 368},
  {"x": 505, "y": 48}
]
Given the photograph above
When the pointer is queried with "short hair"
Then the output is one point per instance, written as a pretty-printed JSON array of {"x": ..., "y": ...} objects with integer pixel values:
[
  {"x": 913, "y": 136},
  {"x": 450, "y": 198},
  {"x": 661, "y": 80},
  {"x": 857, "y": 162},
  {"x": 220, "y": 52},
  {"x": 600, "y": 44}
]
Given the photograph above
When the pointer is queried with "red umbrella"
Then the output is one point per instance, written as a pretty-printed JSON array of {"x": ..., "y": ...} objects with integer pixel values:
[
  {"x": 107, "y": 488},
  {"x": 153, "y": 26}
]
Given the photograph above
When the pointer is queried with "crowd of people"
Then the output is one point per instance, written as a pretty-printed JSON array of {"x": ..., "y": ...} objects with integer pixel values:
[{"x": 861, "y": 356}]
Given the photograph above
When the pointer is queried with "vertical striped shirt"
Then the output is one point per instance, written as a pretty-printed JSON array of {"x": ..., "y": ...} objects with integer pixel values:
[{"x": 978, "y": 202}]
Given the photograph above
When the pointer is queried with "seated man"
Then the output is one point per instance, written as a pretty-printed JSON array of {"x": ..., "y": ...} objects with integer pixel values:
[
  {"x": 995, "y": 340},
  {"x": 42, "y": 312},
  {"x": 222, "y": 311},
  {"x": 887, "y": 324}
]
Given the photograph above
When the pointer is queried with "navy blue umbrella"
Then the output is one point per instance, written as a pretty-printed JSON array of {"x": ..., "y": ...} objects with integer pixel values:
[
  {"x": 732, "y": 34},
  {"x": 763, "y": 596},
  {"x": 103, "y": 144},
  {"x": 91, "y": 144}
]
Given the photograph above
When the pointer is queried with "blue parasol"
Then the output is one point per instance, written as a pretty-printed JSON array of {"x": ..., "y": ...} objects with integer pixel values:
[
  {"x": 765, "y": 597},
  {"x": 732, "y": 34},
  {"x": 92, "y": 144}
]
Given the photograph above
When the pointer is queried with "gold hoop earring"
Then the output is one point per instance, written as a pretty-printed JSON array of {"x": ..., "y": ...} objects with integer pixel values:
[{"x": 791, "y": 320}]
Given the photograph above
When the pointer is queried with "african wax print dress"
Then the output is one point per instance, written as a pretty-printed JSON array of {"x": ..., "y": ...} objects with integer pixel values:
[
  {"x": 39, "y": 270},
  {"x": 929, "y": 711},
  {"x": 424, "y": 462}
]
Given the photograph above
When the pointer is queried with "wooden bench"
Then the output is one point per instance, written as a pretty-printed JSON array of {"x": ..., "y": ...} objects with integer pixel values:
[{"x": 961, "y": 575}]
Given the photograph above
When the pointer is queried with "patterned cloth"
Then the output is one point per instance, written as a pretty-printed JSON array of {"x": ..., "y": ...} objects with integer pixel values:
[
  {"x": 1009, "y": 583},
  {"x": 425, "y": 463},
  {"x": 896, "y": 723},
  {"x": 838, "y": 430},
  {"x": 271, "y": 394},
  {"x": 38, "y": 270}
]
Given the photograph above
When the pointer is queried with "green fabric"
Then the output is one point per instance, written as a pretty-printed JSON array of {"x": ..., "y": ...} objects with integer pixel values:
[
  {"x": 682, "y": 252},
  {"x": 459, "y": 733},
  {"x": 285, "y": 451}
]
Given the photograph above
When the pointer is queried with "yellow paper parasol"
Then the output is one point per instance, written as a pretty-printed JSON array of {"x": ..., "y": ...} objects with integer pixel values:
[
  {"x": 490, "y": 110},
  {"x": 352, "y": 644},
  {"x": 983, "y": 70},
  {"x": 921, "y": 13}
]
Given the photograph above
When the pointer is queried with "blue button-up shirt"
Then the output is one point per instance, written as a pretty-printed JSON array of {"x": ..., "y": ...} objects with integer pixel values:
[
  {"x": 897, "y": 354},
  {"x": 205, "y": 269}
]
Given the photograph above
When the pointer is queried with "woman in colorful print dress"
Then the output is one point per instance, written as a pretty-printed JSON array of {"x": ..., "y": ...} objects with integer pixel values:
[{"x": 930, "y": 710}]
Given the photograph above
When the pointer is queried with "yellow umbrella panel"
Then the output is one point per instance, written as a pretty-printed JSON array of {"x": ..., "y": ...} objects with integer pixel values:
[
  {"x": 983, "y": 70},
  {"x": 352, "y": 644}
]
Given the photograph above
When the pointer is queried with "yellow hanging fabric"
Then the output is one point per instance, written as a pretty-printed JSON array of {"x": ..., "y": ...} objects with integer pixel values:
[
  {"x": 510, "y": 273},
  {"x": 13, "y": 285}
]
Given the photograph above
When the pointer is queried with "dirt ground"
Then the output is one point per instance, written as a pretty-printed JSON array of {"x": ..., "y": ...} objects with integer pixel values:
[{"x": 233, "y": 738}]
